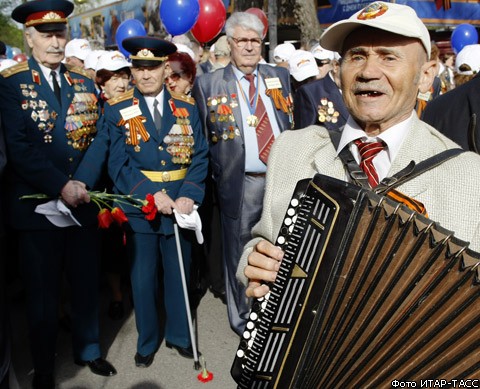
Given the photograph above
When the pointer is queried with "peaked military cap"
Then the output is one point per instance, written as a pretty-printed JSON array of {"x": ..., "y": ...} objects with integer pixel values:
[
  {"x": 44, "y": 15},
  {"x": 148, "y": 51}
]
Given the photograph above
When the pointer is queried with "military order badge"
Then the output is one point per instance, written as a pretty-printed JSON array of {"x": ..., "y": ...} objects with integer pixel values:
[
  {"x": 81, "y": 120},
  {"x": 326, "y": 112},
  {"x": 179, "y": 139}
]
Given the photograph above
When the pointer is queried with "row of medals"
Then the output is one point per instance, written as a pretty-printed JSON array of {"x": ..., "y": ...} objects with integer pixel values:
[
  {"x": 81, "y": 120},
  {"x": 230, "y": 131},
  {"x": 180, "y": 142},
  {"x": 39, "y": 111},
  {"x": 326, "y": 112}
]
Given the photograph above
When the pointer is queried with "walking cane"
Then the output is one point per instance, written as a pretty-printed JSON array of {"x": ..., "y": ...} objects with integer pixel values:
[{"x": 196, "y": 365}]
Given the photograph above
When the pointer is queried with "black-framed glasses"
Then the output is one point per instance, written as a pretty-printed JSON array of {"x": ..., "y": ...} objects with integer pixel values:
[{"x": 242, "y": 42}]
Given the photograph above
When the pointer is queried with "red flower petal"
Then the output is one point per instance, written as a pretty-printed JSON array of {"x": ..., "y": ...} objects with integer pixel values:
[
  {"x": 205, "y": 376},
  {"x": 105, "y": 218},
  {"x": 119, "y": 216}
]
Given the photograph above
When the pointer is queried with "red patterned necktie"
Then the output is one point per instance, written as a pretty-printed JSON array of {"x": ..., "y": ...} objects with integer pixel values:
[
  {"x": 263, "y": 129},
  {"x": 368, "y": 151}
]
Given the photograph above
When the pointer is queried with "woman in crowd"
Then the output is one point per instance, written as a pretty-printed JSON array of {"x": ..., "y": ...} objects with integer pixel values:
[{"x": 180, "y": 72}]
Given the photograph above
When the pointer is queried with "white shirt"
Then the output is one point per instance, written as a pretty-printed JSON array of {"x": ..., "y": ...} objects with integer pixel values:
[
  {"x": 150, "y": 100},
  {"x": 46, "y": 73},
  {"x": 393, "y": 138}
]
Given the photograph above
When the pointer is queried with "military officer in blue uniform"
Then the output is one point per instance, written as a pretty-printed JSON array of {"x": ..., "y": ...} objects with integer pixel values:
[
  {"x": 49, "y": 115},
  {"x": 157, "y": 148}
]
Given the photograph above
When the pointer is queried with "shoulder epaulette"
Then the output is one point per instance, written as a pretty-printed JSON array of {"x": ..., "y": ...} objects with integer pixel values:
[
  {"x": 78, "y": 70},
  {"x": 21, "y": 67},
  {"x": 124, "y": 96},
  {"x": 183, "y": 97}
]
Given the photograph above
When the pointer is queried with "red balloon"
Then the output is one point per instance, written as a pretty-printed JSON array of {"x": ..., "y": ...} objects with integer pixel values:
[
  {"x": 263, "y": 18},
  {"x": 20, "y": 57},
  {"x": 210, "y": 21}
]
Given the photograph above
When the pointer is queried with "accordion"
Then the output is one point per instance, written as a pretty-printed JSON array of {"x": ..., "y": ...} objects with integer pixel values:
[{"x": 369, "y": 293}]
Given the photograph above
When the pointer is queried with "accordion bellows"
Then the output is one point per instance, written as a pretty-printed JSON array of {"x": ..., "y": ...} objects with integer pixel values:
[{"x": 368, "y": 292}]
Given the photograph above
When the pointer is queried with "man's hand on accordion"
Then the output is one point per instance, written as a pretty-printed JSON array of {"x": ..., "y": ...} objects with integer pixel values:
[{"x": 263, "y": 265}]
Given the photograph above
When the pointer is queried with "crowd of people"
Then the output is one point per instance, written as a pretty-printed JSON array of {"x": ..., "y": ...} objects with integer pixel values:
[{"x": 224, "y": 139}]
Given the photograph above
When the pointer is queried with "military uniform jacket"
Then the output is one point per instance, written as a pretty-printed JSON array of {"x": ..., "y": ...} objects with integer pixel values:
[
  {"x": 320, "y": 102},
  {"x": 449, "y": 191},
  {"x": 451, "y": 113},
  {"x": 127, "y": 161},
  {"x": 225, "y": 137},
  {"x": 45, "y": 140}
]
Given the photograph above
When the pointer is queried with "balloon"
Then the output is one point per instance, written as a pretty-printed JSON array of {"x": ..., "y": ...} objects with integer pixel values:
[
  {"x": 210, "y": 21},
  {"x": 127, "y": 29},
  {"x": 463, "y": 35},
  {"x": 8, "y": 51},
  {"x": 179, "y": 16},
  {"x": 15, "y": 51},
  {"x": 21, "y": 57},
  {"x": 263, "y": 18}
]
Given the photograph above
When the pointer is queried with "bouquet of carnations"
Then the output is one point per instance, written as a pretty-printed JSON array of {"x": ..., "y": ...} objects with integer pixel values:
[{"x": 107, "y": 212}]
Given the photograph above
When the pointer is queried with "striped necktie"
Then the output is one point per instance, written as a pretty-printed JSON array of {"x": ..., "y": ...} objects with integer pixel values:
[
  {"x": 263, "y": 129},
  {"x": 368, "y": 151}
]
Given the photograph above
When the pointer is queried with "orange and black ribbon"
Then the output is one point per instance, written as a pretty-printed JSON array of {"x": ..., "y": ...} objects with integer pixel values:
[
  {"x": 278, "y": 99},
  {"x": 135, "y": 126}
]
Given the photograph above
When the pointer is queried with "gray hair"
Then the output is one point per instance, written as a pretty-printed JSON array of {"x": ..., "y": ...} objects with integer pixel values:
[{"x": 245, "y": 20}]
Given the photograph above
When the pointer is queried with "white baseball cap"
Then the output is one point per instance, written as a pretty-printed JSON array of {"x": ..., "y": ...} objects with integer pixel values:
[
  {"x": 112, "y": 60},
  {"x": 282, "y": 52},
  {"x": 469, "y": 55},
  {"x": 92, "y": 57},
  {"x": 6, "y": 63},
  {"x": 320, "y": 53},
  {"x": 395, "y": 18},
  {"x": 181, "y": 48},
  {"x": 77, "y": 48},
  {"x": 302, "y": 65}
]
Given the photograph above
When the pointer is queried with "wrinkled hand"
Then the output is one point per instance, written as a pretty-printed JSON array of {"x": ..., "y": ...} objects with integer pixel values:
[
  {"x": 74, "y": 193},
  {"x": 263, "y": 264},
  {"x": 184, "y": 205},
  {"x": 164, "y": 203}
]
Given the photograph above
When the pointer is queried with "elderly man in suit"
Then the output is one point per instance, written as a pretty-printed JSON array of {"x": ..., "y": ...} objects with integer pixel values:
[
  {"x": 244, "y": 107},
  {"x": 157, "y": 148},
  {"x": 48, "y": 116},
  {"x": 385, "y": 63}
]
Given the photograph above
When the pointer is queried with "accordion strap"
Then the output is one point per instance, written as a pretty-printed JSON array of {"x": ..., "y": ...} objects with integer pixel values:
[{"x": 412, "y": 170}]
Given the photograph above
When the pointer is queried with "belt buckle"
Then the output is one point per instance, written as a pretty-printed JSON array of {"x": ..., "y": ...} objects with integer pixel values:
[{"x": 166, "y": 176}]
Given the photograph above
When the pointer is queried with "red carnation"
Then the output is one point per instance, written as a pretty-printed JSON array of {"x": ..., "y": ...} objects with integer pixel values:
[
  {"x": 105, "y": 218},
  {"x": 119, "y": 216},
  {"x": 149, "y": 208},
  {"x": 205, "y": 375}
]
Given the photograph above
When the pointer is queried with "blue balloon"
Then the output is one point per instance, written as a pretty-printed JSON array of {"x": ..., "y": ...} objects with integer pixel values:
[
  {"x": 9, "y": 51},
  {"x": 463, "y": 35},
  {"x": 179, "y": 16},
  {"x": 127, "y": 29}
]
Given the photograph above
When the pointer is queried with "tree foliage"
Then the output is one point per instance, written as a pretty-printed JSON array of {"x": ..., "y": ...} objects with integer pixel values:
[{"x": 10, "y": 33}]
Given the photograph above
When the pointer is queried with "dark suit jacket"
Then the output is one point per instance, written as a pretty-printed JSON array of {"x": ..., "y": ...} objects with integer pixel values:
[
  {"x": 308, "y": 102},
  {"x": 228, "y": 155},
  {"x": 125, "y": 162},
  {"x": 41, "y": 157},
  {"x": 451, "y": 113}
]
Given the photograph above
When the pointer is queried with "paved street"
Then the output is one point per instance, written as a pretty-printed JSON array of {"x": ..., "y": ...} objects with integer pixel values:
[{"x": 217, "y": 342}]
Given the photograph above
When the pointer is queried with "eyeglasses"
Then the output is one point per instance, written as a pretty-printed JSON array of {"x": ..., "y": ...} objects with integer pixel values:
[
  {"x": 321, "y": 63},
  {"x": 173, "y": 76},
  {"x": 242, "y": 42}
]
